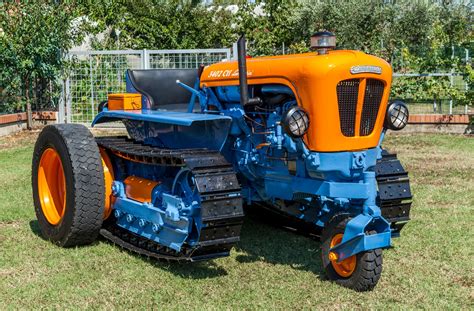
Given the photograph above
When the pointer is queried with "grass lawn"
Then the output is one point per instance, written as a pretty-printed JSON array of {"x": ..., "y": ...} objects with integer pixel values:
[{"x": 431, "y": 266}]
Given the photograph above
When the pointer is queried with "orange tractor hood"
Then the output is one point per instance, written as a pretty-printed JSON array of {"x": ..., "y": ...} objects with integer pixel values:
[{"x": 314, "y": 79}]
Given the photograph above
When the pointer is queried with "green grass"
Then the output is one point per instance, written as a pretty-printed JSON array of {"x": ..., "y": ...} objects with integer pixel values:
[{"x": 431, "y": 265}]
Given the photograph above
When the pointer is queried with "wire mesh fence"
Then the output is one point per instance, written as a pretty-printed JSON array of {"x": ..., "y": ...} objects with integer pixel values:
[
  {"x": 94, "y": 74},
  {"x": 185, "y": 59}
]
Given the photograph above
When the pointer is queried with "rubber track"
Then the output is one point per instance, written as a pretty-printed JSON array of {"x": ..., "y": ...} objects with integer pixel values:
[{"x": 221, "y": 202}]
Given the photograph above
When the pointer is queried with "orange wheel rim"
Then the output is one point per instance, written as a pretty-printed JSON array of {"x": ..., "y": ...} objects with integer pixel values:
[
  {"x": 346, "y": 267},
  {"x": 108, "y": 180},
  {"x": 52, "y": 186}
]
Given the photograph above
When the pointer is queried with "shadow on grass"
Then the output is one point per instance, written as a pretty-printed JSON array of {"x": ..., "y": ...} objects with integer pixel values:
[
  {"x": 34, "y": 226},
  {"x": 265, "y": 238},
  {"x": 262, "y": 239}
]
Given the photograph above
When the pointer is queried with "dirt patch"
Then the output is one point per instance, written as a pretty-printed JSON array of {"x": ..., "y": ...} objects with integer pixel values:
[
  {"x": 14, "y": 224},
  {"x": 19, "y": 139}
]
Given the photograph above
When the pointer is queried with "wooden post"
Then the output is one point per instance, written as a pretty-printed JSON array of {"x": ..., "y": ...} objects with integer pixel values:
[{"x": 29, "y": 114}]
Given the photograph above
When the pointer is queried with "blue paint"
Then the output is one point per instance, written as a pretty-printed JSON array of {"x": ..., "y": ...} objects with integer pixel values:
[
  {"x": 154, "y": 221},
  {"x": 355, "y": 239},
  {"x": 275, "y": 168},
  {"x": 157, "y": 116}
]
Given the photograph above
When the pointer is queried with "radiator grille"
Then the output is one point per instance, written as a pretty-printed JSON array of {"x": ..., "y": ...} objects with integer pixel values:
[
  {"x": 347, "y": 93},
  {"x": 372, "y": 98}
]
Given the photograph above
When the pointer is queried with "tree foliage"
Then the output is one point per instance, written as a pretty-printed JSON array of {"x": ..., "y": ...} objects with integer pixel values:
[{"x": 33, "y": 37}]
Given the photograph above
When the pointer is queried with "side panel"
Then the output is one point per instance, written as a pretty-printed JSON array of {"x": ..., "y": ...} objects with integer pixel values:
[{"x": 203, "y": 134}]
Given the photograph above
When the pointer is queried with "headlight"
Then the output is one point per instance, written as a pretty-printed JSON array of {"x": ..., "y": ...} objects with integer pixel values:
[
  {"x": 296, "y": 122},
  {"x": 397, "y": 115}
]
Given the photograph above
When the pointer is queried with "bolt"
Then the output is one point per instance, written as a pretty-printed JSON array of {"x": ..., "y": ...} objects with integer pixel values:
[
  {"x": 142, "y": 223},
  {"x": 155, "y": 228},
  {"x": 130, "y": 217},
  {"x": 115, "y": 188},
  {"x": 117, "y": 213},
  {"x": 333, "y": 256}
]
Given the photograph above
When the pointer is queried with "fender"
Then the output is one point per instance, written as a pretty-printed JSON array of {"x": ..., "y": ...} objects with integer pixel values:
[
  {"x": 177, "y": 130},
  {"x": 356, "y": 240}
]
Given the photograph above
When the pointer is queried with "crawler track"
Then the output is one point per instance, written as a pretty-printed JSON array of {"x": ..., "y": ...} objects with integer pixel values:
[
  {"x": 394, "y": 191},
  {"x": 221, "y": 202}
]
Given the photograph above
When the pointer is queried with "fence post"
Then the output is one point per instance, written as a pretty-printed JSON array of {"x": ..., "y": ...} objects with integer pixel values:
[
  {"x": 234, "y": 51},
  {"x": 92, "y": 85},
  {"x": 145, "y": 59},
  {"x": 451, "y": 81},
  {"x": 466, "y": 85},
  {"x": 61, "y": 104},
  {"x": 68, "y": 100}
]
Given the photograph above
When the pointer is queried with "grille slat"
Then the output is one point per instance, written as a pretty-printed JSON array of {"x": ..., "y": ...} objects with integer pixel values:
[
  {"x": 372, "y": 98},
  {"x": 347, "y": 94}
]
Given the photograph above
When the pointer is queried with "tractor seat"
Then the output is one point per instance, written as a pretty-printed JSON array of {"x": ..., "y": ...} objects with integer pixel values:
[{"x": 159, "y": 87}]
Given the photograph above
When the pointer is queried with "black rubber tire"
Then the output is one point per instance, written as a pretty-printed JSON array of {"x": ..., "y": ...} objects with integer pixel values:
[
  {"x": 84, "y": 178},
  {"x": 368, "y": 264}
]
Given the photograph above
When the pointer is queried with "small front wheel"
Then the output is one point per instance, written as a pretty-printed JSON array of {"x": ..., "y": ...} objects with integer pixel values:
[{"x": 360, "y": 272}]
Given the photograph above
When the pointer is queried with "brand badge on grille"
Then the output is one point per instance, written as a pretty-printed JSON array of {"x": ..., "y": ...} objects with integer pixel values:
[{"x": 366, "y": 69}]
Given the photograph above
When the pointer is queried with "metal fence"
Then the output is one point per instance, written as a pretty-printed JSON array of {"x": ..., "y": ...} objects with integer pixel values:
[{"x": 94, "y": 74}]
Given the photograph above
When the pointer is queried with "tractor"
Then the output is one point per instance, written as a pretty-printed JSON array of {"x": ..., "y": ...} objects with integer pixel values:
[{"x": 298, "y": 136}]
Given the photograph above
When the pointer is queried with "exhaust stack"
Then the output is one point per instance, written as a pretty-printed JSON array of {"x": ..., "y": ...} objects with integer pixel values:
[{"x": 242, "y": 61}]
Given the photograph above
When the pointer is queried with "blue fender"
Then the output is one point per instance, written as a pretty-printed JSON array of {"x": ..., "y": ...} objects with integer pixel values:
[
  {"x": 355, "y": 239},
  {"x": 172, "y": 129}
]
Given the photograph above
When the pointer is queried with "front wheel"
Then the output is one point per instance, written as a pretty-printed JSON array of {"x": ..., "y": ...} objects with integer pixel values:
[{"x": 360, "y": 272}]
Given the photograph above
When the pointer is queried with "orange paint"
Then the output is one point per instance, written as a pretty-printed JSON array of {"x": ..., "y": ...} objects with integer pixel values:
[
  {"x": 139, "y": 189},
  {"x": 124, "y": 101},
  {"x": 52, "y": 186},
  {"x": 345, "y": 267},
  {"x": 313, "y": 78},
  {"x": 108, "y": 180}
]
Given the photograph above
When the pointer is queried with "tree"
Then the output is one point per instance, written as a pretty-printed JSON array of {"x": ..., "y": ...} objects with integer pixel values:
[{"x": 34, "y": 36}]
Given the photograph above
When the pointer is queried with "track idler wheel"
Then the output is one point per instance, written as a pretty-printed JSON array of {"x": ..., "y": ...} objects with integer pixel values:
[
  {"x": 68, "y": 185},
  {"x": 360, "y": 272}
]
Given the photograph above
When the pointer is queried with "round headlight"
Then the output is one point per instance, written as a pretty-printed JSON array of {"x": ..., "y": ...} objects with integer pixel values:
[
  {"x": 397, "y": 115},
  {"x": 296, "y": 122}
]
